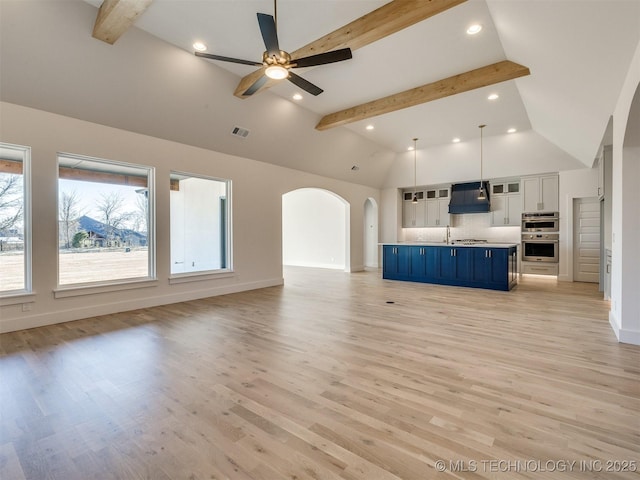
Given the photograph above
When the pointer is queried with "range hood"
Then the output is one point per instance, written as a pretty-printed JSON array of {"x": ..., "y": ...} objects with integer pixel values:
[{"x": 464, "y": 198}]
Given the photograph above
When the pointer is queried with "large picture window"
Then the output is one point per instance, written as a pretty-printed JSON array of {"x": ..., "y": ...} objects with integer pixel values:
[
  {"x": 199, "y": 224},
  {"x": 105, "y": 221},
  {"x": 15, "y": 251}
]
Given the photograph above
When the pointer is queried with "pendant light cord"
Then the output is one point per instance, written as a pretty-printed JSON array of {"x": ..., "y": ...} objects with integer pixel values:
[
  {"x": 415, "y": 170},
  {"x": 481, "y": 149}
]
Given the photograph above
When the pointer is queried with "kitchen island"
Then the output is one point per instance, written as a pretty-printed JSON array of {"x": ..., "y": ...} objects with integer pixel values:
[{"x": 487, "y": 265}]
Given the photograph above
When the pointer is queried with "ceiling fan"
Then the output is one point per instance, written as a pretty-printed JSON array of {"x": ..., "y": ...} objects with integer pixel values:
[{"x": 278, "y": 63}]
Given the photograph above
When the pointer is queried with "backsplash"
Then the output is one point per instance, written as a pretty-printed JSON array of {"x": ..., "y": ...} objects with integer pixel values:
[{"x": 476, "y": 225}]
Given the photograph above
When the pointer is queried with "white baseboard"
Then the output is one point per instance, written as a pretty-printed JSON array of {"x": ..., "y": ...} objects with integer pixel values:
[
  {"x": 623, "y": 335},
  {"x": 70, "y": 315}
]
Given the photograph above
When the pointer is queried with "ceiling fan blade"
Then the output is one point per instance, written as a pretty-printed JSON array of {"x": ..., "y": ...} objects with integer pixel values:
[
  {"x": 269, "y": 33},
  {"x": 227, "y": 59},
  {"x": 386, "y": 20},
  {"x": 306, "y": 85},
  {"x": 255, "y": 87},
  {"x": 323, "y": 58}
]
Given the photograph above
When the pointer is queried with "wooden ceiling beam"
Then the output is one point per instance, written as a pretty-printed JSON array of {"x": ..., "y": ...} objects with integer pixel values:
[
  {"x": 464, "y": 82},
  {"x": 115, "y": 17},
  {"x": 386, "y": 20},
  {"x": 13, "y": 167}
]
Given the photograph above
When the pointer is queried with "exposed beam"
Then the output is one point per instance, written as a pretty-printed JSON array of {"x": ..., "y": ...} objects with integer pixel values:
[
  {"x": 116, "y": 16},
  {"x": 10, "y": 166},
  {"x": 390, "y": 18},
  {"x": 15, "y": 167},
  {"x": 464, "y": 82},
  {"x": 101, "y": 177}
]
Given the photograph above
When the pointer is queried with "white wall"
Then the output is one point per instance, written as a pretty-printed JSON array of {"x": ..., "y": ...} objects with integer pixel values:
[
  {"x": 509, "y": 155},
  {"x": 371, "y": 257},
  {"x": 581, "y": 183},
  {"x": 314, "y": 229},
  {"x": 624, "y": 316},
  {"x": 256, "y": 217}
]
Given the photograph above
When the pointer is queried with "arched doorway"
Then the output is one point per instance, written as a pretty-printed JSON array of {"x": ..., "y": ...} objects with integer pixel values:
[
  {"x": 370, "y": 233},
  {"x": 315, "y": 229}
]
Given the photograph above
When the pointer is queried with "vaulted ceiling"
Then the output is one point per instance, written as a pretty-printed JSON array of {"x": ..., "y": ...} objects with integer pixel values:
[{"x": 578, "y": 53}]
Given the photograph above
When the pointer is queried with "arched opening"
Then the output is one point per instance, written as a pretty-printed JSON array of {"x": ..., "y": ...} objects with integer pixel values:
[
  {"x": 315, "y": 229},
  {"x": 370, "y": 233}
]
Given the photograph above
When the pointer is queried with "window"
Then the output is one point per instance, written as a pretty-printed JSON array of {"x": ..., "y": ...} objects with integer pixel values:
[
  {"x": 199, "y": 224},
  {"x": 15, "y": 228},
  {"x": 105, "y": 221}
]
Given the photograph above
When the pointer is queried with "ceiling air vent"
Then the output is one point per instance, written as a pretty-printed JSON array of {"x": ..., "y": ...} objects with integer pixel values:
[{"x": 240, "y": 132}]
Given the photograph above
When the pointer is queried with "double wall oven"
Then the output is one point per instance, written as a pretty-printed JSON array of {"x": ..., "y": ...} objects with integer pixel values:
[{"x": 540, "y": 237}]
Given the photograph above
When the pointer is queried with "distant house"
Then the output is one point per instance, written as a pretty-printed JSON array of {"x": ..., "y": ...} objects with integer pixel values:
[{"x": 101, "y": 235}]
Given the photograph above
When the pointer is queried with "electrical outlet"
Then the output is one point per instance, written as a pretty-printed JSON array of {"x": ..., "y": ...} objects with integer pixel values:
[{"x": 26, "y": 307}]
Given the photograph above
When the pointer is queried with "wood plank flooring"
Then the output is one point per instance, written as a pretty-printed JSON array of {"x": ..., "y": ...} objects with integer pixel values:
[{"x": 323, "y": 379}]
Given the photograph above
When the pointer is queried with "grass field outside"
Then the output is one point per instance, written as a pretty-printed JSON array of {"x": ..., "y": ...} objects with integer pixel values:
[{"x": 80, "y": 266}]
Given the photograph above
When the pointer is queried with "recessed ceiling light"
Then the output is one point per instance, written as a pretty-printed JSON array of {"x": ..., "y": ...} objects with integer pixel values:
[
  {"x": 456, "y": 140},
  {"x": 297, "y": 96},
  {"x": 493, "y": 96},
  {"x": 410, "y": 148},
  {"x": 473, "y": 29},
  {"x": 369, "y": 127},
  {"x": 512, "y": 130},
  {"x": 199, "y": 46}
]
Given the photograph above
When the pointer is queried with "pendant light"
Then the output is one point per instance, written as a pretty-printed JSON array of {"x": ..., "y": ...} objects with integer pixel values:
[
  {"x": 481, "y": 193},
  {"x": 415, "y": 168}
]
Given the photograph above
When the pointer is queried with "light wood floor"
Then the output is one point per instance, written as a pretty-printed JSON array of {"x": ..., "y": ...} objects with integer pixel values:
[{"x": 322, "y": 379}]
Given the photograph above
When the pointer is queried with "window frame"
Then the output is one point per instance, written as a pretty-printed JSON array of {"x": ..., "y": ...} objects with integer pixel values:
[
  {"x": 7, "y": 297},
  {"x": 101, "y": 286},
  {"x": 184, "y": 277}
]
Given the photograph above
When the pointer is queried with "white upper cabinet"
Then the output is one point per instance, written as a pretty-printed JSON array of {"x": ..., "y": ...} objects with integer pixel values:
[
  {"x": 506, "y": 203},
  {"x": 413, "y": 214},
  {"x": 540, "y": 193},
  {"x": 431, "y": 209},
  {"x": 438, "y": 207}
]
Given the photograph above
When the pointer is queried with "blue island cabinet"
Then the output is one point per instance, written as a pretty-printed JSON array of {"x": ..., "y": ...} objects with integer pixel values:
[
  {"x": 466, "y": 266},
  {"x": 455, "y": 263},
  {"x": 395, "y": 262}
]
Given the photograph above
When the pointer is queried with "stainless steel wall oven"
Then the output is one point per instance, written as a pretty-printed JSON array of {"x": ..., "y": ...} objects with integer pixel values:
[
  {"x": 540, "y": 247},
  {"x": 540, "y": 222}
]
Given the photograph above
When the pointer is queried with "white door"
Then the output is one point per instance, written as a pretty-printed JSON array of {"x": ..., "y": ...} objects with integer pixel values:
[{"x": 586, "y": 240}]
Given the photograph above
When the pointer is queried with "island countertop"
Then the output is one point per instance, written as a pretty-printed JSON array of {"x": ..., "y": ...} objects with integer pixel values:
[{"x": 450, "y": 244}]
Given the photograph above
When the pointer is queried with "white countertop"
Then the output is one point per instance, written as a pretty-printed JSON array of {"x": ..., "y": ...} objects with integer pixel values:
[{"x": 453, "y": 244}]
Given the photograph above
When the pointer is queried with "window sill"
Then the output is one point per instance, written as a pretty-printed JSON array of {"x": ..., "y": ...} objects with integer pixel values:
[
  {"x": 75, "y": 291},
  {"x": 17, "y": 298},
  {"x": 200, "y": 276}
]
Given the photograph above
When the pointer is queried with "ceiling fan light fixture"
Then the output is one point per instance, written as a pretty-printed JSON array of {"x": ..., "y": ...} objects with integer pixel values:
[{"x": 276, "y": 72}]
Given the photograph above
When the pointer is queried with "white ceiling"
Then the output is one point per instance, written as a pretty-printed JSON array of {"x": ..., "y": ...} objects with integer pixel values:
[
  {"x": 578, "y": 52},
  {"x": 149, "y": 82}
]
